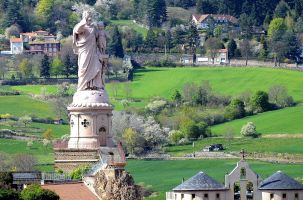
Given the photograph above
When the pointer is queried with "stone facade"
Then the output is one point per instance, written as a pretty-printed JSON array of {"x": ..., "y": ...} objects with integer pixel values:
[{"x": 279, "y": 186}]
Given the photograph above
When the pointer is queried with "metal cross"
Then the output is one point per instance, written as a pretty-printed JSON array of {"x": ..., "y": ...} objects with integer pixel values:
[
  {"x": 85, "y": 123},
  {"x": 243, "y": 154}
]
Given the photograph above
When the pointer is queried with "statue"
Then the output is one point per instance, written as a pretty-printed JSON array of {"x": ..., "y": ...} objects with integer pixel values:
[{"x": 89, "y": 45}]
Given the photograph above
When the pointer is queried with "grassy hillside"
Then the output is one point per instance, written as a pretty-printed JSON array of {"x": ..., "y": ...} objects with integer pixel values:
[
  {"x": 13, "y": 147},
  {"x": 130, "y": 24},
  {"x": 24, "y": 105},
  {"x": 288, "y": 120},
  {"x": 165, "y": 175}
]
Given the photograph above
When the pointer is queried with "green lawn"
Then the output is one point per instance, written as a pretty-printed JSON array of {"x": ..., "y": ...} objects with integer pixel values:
[
  {"x": 36, "y": 89},
  {"x": 284, "y": 121},
  {"x": 24, "y": 105},
  {"x": 259, "y": 145},
  {"x": 13, "y": 147},
  {"x": 130, "y": 24},
  {"x": 165, "y": 175}
]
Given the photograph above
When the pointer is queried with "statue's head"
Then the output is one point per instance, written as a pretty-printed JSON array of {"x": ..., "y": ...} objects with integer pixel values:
[{"x": 87, "y": 15}]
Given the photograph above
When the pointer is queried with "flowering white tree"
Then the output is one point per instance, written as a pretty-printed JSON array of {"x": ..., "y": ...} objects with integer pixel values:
[{"x": 249, "y": 130}]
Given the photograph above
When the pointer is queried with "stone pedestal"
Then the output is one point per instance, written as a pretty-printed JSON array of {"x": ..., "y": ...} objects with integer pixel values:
[
  {"x": 90, "y": 120},
  {"x": 90, "y": 129}
]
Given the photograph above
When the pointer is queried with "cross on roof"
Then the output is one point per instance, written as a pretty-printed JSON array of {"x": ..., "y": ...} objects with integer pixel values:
[{"x": 243, "y": 154}]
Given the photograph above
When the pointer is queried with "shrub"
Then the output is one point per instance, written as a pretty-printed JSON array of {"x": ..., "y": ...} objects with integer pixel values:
[
  {"x": 235, "y": 110},
  {"x": 35, "y": 192},
  {"x": 77, "y": 173},
  {"x": 175, "y": 136},
  {"x": 260, "y": 102},
  {"x": 156, "y": 106},
  {"x": 8, "y": 194},
  {"x": 249, "y": 130},
  {"x": 193, "y": 130}
]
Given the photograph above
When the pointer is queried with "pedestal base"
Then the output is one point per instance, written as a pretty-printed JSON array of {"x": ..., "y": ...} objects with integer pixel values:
[{"x": 70, "y": 159}]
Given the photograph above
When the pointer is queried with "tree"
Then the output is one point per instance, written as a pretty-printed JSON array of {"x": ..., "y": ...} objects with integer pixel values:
[
  {"x": 25, "y": 120},
  {"x": 260, "y": 102},
  {"x": 177, "y": 97},
  {"x": 246, "y": 24},
  {"x": 249, "y": 130},
  {"x": 45, "y": 67},
  {"x": 193, "y": 39},
  {"x": 213, "y": 45},
  {"x": 56, "y": 67},
  {"x": 115, "y": 46},
  {"x": 151, "y": 39},
  {"x": 205, "y": 7},
  {"x": 156, "y": 12},
  {"x": 3, "y": 68},
  {"x": 232, "y": 47},
  {"x": 278, "y": 95},
  {"x": 67, "y": 63},
  {"x": 12, "y": 31},
  {"x": 235, "y": 110},
  {"x": 36, "y": 192},
  {"x": 276, "y": 27},
  {"x": 25, "y": 68},
  {"x": 194, "y": 130},
  {"x": 13, "y": 14},
  {"x": 218, "y": 31},
  {"x": 281, "y": 10},
  {"x": 48, "y": 134},
  {"x": 128, "y": 90},
  {"x": 175, "y": 136},
  {"x": 245, "y": 49},
  {"x": 130, "y": 137}
]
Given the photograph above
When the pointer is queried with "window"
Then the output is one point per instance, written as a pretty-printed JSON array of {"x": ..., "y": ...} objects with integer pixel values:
[
  {"x": 193, "y": 196},
  {"x": 284, "y": 196},
  {"x": 182, "y": 196},
  {"x": 206, "y": 195},
  {"x": 218, "y": 196},
  {"x": 271, "y": 196},
  {"x": 296, "y": 195},
  {"x": 242, "y": 173}
]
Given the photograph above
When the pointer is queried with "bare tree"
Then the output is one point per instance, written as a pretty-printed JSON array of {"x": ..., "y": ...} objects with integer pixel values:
[
  {"x": 245, "y": 49},
  {"x": 213, "y": 45},
  {"x": 115, "y": 87}
]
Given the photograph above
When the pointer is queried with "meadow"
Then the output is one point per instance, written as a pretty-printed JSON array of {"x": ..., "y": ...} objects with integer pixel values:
[
  {"x": 130, "y": 24},
  {"x": 43, "y": 154},
  {"x": 163, "y": 176},
  {"x": 259, "y": 145}
]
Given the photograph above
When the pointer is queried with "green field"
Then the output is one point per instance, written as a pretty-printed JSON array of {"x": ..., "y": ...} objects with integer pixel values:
[
  {"x": 165, "y": 175},
  {"x": 36, "y": 89},
  {"x": 284, "y": 121},
  {"x": 24, "y": 105},
  {"x": 13, "y": 147},
  {"x": 259, "y": 145},
  {"x": 130, "y": 24}
]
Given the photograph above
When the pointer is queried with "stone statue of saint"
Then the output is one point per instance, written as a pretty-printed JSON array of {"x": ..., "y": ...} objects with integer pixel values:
[{"x": 85, "y": 38}]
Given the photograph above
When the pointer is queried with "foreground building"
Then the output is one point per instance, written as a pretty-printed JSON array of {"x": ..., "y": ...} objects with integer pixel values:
[{"x": 242, "y": 183}]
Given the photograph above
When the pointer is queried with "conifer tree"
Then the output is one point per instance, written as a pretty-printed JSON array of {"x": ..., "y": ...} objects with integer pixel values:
[
  {"x": 45, "y": 67},
  {"x": 115, "y": 46}
]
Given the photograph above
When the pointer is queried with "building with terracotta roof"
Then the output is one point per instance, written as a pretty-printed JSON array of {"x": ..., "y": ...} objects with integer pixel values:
[
  {"x": 210, "y": 21},
  {"x": 38, "y": 42},
  {"x": 72, "y": 191}
]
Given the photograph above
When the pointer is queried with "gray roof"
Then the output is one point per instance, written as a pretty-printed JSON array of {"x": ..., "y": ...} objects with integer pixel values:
[
  {"x": 280, "y": 181},
  {"x": 200, "y": 182}
]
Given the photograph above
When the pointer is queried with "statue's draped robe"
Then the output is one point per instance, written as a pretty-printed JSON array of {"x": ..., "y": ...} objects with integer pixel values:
[{"x": 84, "y": 44}]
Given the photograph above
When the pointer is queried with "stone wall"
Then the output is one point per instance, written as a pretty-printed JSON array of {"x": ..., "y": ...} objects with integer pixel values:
[{"x": 70, "y": 159}]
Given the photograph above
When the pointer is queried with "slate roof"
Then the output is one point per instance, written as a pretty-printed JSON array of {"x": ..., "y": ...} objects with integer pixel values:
[
  {"x": 200, "y": 182},
  {"x": 280, "y": 181}
]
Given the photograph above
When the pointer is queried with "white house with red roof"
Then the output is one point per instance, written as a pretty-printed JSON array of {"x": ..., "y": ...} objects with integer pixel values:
[{"x": 207, "y": 21}]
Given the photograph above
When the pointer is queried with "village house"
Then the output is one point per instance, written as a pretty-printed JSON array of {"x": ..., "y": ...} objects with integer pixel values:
[
  {"x": 38, "y": 42},
  {"x": 221, "y": 58},
  {"x": 241, "y": 183},
  {"x": 211, "y": 21}
]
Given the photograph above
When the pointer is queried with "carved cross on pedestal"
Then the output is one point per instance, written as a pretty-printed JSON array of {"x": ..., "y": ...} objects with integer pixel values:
[
  {"x": 243, "y": 154},
  {"x": 85, "y": 123}
]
